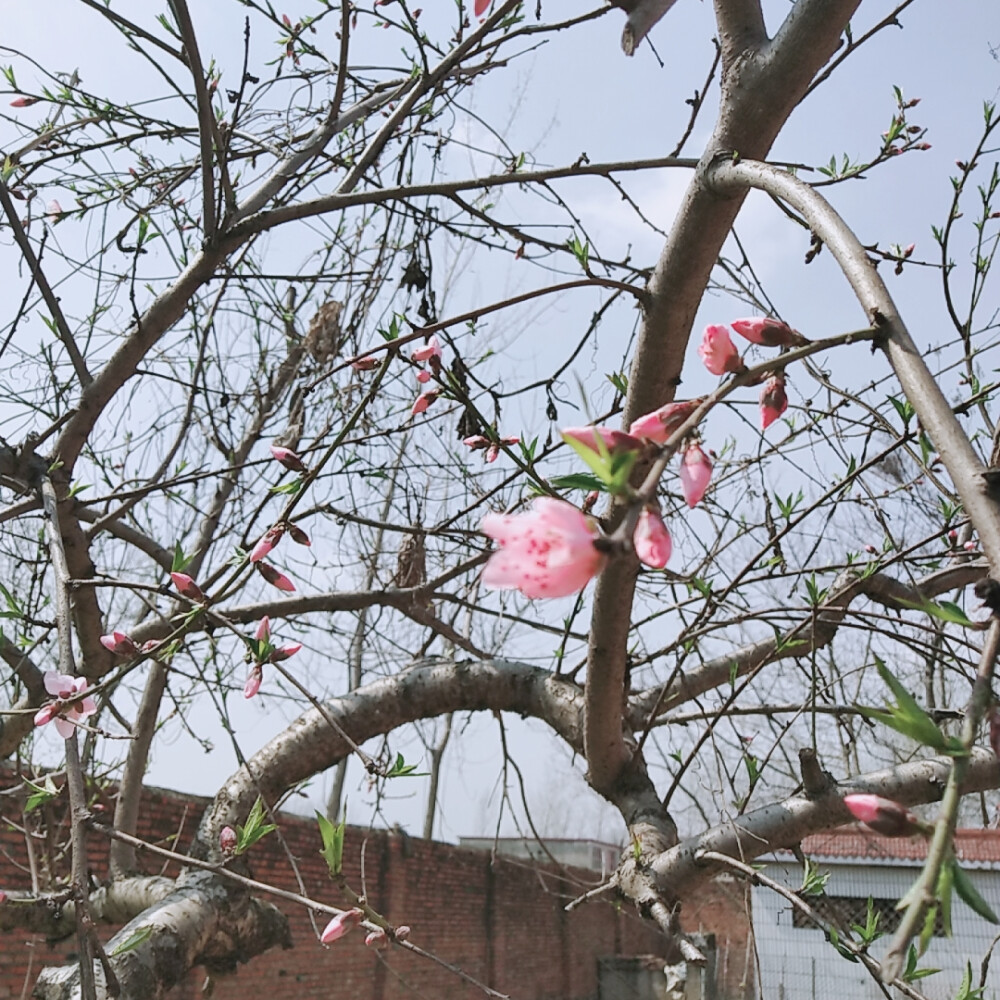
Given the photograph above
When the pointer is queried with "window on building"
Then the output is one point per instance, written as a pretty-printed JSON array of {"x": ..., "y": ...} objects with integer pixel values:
[{"x": 841, "y": 910}]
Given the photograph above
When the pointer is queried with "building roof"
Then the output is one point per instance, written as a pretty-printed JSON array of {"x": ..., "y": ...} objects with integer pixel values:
[{"x": 859, "y": 845}]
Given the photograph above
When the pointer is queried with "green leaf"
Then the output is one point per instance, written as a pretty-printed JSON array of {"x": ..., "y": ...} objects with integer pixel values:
[
  {"x": 906, "y": 716},
  {"x": 180, "y": 561},
  {"x": 40, "y": 795},
  {"x": 254, "y": 830},
  {"x": 578, "y": 481},
  {"x": 134, "y": 939},
  {"x": 400, "y": 769},
  {"x": 903, "y": 408},
  {"x": 945, "y": 883},
  {"x": 969, "y": 895},
  {"x": 946, "y": 611},
  {"x": 613, "y": 470},
  {"x": 965, "y": 990},
  {"x": 911, "y": 973},
  {"x": 333, "y": 842}
]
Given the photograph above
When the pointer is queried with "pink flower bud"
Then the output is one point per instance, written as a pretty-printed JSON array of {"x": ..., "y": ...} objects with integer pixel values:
[
  {"x": 186, "y": 587},
  {"x": 908, "y": 250},
  {"x": 773, "y": 401},
  {"x": 270, "y": 538},
  {"x": 402, "y": 932},
  {"x": 263, "y": 629},
  {"x": 119, "y": 644},
  {"x": 423, "y": 377},
  {"x": 365, "y": 364},
  {"x": 509, "y": 441},
  {"x": 767, "y": 331},
  {"x": 492, "y": 453},
  {"x": 883, "y": 815},
  {"x": 660, "y": 424},
  {"x": 953, "y": 536},
  {"x": 288, "y": 458},
  {"x": 275, "y": 577},
  {"x": 298, "y": 535},
  {"x": 53, "y": 211},
  {"x": 284, "y": 652},
  {"x": 432, "y": 349},
  {"x": 614, "y": 441},
  {"x": 922, "y": 145},
  {"x": 149, "y": 645},
  {"x": 651, "y": 540},
  {"x": 377, "y": 939},
  {"x": 24, "y": 102},
  {"x": 482, "y": 6},
  {"x": 589, "y": 500},
  {"x": 253, "y": 682},
  {"x": 341, "y": 924},
  {"x": 422, "y": 402},
  {"x": 227, "y": 840},
  {"x": 969, "y": 546},
  {"x": 718, "y": 352},
  {"x": 476, "y": 441},
  {"x": 696, "y": 472},
  {"x": 871, "y": 550}
]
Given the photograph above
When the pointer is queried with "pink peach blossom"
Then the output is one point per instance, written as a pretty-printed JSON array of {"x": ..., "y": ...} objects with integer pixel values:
[
  {"x": 614, "y": 441},
  {"x": 651, "y": 540},
  {"x": 423, "y": 377},
  {"x": 767, "y": 331},
  {"x": 119, "y": 644},
  {"x": 773, "y": 401},
  {"x": 365, "y": 364},
  {"x": 696, "y": 471},
  {"x": 476, "y": 441},
  {"x": 275, "y": 577},
  {"x": 547, "y": 551},
  {"x": 24, "y": 102},
  {"x": 263, "y": 629},
  {"x": 718, "y": 351},
  {"x": 270, "y": 538},
  {"x": 883, "y": 815},
  {"x": 186, "y": 587},
  {"x": 432, "y": 349},
  {"x": 660, "y": 424},
  {"x": 341, "y": 924},
  {"x": 492, "y": 453},
  {"x": 66, "y": 712},
  {"x": 288, "y": 458}
]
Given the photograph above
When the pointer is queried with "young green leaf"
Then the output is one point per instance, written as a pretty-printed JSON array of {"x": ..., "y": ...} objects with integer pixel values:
[
  {"x": 333, "y": 843},
  {"x": 969, "y": 895}
]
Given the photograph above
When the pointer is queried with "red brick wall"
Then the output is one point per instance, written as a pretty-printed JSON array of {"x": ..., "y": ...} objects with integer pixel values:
[{"x": 503, "y": 923}]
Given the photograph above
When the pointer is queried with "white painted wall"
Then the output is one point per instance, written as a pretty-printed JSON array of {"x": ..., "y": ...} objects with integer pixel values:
[{"x": 798, "y": 964}]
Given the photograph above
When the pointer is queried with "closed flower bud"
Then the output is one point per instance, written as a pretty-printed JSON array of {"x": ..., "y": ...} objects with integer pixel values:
[
  {"x": 284, "y": 652},
  {"x": 883, "y": 815},
  {"x": 263, "y": 629},
  {"x": 119, "y": 644},
  {"x": 253, "y": 682},
  {"x": 227, "y": 840},
  {"x": 186, "y": 587},
  {"x": 432, "y": 349},
  {"x": 364, "y": 364},
  {"x": 423, "y": 377},
  {"x": 275, "y": 577},
  {"x": 422, "y": 402},
  {"x": 377, "y": 939},
  {"x": 402, "y": 932},
  {"x": 660, "y": 424},
  {"x": 767, "y": 331},
  {"x": 288, "y": 458},
  {"x": 298, "y": 535},
  {"x": 718, "y": 352},
  {"x": 341, "y": 924},
  {"x": 270, "y": 539},
  {"x": 696, "y": 472},
  {"x": 773, "y": 401},
  {"x": 651, "y": 540}
]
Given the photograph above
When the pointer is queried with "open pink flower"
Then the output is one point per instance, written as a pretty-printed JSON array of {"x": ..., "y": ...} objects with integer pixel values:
[
  {"x": 718, "y": 351},
  {"x": 883, "y": 815},
  {"x": 119, "y": 644},
  {"x": 547, "y": 551},
  {"x": 288, "y": 458},
  {"x": 275, "y": 577},
  {"x": 66, "y": 714},
  {"x": 773, "y": 401},
  {"x": 186, "y": 587},
  {"x": 660, "y": 424},
  {"x": 341, "y": 924},
  {"x": 614, "y": 441},
  {"x": 696, "y": 471},
  {"x": 767, "y": 331},
  {"x": 432, "y": 349},
  {"x": 270, "y": 538},
  {"x": 651, "y": 540}
]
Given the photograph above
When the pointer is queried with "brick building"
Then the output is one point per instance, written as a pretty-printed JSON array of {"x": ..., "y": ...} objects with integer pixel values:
[{"x": 503, "y": 921}]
